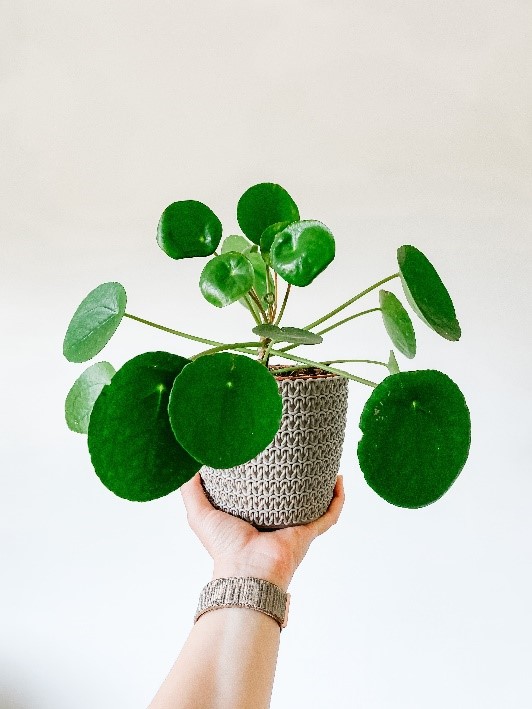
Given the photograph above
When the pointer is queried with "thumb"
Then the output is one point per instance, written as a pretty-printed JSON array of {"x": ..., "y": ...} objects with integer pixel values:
[{"x": 196, "y": 503}]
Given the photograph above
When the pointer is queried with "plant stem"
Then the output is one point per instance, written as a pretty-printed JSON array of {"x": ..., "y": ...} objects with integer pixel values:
[
  {"x": 255, "y": 298},
  {"x": 287, "y": 348},
  {"x": 269, "y": 284},
  {"x": 229, "y": 346},
  {"x": 186, "y": 335},
  {"x": 341, "y": 322},
  {"x": 252, "y": 310},
  {"x": 283, "y": 306},
  {"x": 320, "y": 365},
  {"x": 266, "y": 355},
  {"x": 368, "y": 361},
  {"x": 276, "y": 291},
  {"x": 348, "y": 302}
]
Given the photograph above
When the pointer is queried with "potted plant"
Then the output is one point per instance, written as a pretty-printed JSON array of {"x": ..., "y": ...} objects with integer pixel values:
[{"x": 266, "y": 437}]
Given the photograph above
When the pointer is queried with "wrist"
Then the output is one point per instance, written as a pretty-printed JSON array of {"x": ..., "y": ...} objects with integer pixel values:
[{"x": 272, "y": 573}]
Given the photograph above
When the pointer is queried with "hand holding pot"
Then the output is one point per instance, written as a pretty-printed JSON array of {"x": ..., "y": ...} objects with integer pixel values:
[{"x": 239, "y": 549}]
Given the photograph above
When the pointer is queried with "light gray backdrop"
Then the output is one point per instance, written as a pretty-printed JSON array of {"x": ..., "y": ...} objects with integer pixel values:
[{"x": 391, "y": 122}]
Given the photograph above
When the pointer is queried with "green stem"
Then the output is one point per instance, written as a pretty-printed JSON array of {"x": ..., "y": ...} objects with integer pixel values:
[
  {"x": 312, "y": 363},
  {"x": 283, "y": 306},
  {"x": 251, "y": 309},
  {"x": 341, "y": 322},
  {"x": 255, "y": 298},
  {"x": 348, "y": 302},
  {"x": 186, "y": 335},
  {"x": 229, "y": 346},
  {"x": 368, "y": 361},
  {"x": 287, "y": 348},
  {"x": 266, "y": 356}
]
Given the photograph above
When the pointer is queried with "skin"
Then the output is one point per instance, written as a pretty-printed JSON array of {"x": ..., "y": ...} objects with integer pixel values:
[{"x": 229, "y": 658}]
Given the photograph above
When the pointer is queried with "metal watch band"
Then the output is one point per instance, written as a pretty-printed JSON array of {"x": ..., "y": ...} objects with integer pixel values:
[{"x": 245, "y": 592}]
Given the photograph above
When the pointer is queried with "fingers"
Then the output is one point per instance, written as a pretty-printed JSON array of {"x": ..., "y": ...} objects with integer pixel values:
[
  {"x": 326, "y": 521},
  {"x": 196, "y": 503}
]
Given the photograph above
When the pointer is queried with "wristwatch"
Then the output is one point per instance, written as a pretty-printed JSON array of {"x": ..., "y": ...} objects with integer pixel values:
[{"x": 245, "y": 592}]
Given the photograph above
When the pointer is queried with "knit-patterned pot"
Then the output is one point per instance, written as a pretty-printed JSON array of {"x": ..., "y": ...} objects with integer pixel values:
[{"x": 292, "y": 481}]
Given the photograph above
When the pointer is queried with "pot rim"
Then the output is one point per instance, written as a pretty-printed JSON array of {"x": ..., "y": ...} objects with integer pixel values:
[{"x": 306, "y": 373}]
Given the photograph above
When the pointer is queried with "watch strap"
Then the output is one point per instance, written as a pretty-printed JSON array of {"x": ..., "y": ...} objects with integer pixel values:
[{"x": 245, "y": 592}]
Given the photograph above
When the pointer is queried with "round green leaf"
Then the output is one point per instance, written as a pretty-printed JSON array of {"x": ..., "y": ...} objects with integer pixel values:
[
  {"x": 187, "y": 229},
  {"x": 84, "y": 392},
  {"x": 226, "y": 278},
  {"x": 235, "y": 242},
  {"x": 225, "y": 409},
  {"x": 267, "y": 237},
  {"x": 416, "y": 436},
  {"x": 397, "y": 323},
  {"x": 94, "y": 322},
  {"x": 131, "y": 444},
  {"x": 262, "y": 205},
  {"x": 301, "y": 251},
  {"x": 426, "y": 293}
]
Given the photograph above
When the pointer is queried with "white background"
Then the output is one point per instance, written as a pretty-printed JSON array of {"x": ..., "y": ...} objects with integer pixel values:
[{"x": 392, "y": 123}]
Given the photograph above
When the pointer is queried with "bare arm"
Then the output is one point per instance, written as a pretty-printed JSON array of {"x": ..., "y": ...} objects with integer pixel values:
[{"x": 229, "y": 658}]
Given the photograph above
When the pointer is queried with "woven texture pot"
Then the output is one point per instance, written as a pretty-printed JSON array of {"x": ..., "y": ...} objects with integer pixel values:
[{"x": 292, "y": 481}]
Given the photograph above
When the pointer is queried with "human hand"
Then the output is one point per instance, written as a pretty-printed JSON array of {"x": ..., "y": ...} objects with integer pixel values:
[{"x": 239, "y": 549}]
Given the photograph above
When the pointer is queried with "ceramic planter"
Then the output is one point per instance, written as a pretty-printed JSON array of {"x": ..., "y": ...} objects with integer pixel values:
[{"x": 292, "y": 481}]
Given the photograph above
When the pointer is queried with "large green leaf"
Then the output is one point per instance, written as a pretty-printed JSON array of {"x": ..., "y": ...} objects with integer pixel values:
[
  {"x": 94, "y": 322},
  {"x": 397, "y": 323},
  {"x": 416, "y": 436},
  {"x": 132, "y": 447},
  {"x": 262, "y": 205},
  {"x": 301, "y": 251},
  {"x": 83, "y": 393},
  {"x": 187, "y": 229},
  {"x": 226, "y": 278},
  {"x": 426, "y": 293},
  {"x": 225, "y": 409},
  {"x": 296, "y": 335}
]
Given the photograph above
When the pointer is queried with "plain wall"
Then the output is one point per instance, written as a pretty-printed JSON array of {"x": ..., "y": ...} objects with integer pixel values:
[{"x": 392, "y": 123}]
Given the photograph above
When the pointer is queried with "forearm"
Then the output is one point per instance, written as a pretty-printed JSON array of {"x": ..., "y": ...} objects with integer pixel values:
[{"x": 227, "y": 662}]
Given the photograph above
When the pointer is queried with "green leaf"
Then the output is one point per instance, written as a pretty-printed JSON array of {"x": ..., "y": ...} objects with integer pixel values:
[
  {"x": 262, "y": 205},
  {"x": 426, "y": 293},
  {"x": 131, "y": 444},
  {"x": 267, "y": 237},
  {"x": 235, "y": 242},
  {"x": 296, "y": 335},
  {"x": 226, "y": 278},
  {"x": 392, "y": 365},
  {"x": 249, "y": 250},
  {"x": 416, "y": 436},
  {"x": 94, "y": 322},
  {"x": 272, "y": 332},
  {"x": 397, "y": 323},
  {"x": 259, "y": 275},
  {"x": 225, "y": 409},
  {"x": 301, "y": 251},
  {"x": 83, "y": 393},
  {"x": 187, "y": 229}
]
